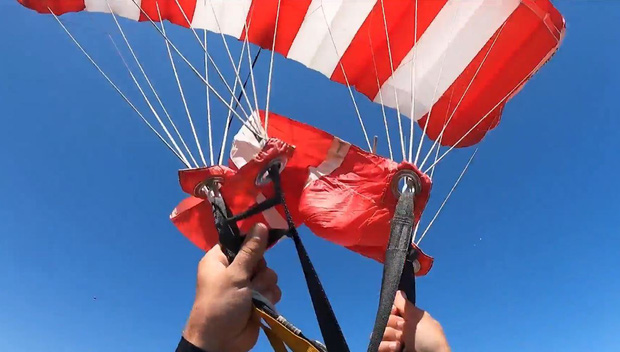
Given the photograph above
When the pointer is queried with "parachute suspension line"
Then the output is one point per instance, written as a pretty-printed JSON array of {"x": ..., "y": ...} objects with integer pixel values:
[
  {"x": 196, "y": 72},
  {"x": 252, "y": 63},
  {"x": 217, "y": 70},
  {"x": 273, "y": 52},
  {"x": 181, "y": 91},
  {"x": 413, "y": 78},
  {"x": 147, "y": 100},
  {"x": 389, "y": 46},
  {"x": 229, "y": 117},
  {"x": 502, "y": 101},
  {"x": 458, "y": 180},
  {"x": 118, "y": 90},
  {"x": 430, "y": 113},
  {"x": 148, "y": 81},
  {"x": 385, "y": 122},
  {"x": 208, "y": 101},
  {"x": 440, "y": 137},
  {"x": 346, "y": 79}
]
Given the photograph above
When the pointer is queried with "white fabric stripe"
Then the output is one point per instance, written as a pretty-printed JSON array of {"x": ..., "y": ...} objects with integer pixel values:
[
  {"x": 245, "y": 146},
  {"x": 456, "y": 35},
  {"x": 231, "y": 16},
  {"x": 123, "y": 8},
  {"x": 334, "y": 158},
  {"x": 313, "y": 45}
]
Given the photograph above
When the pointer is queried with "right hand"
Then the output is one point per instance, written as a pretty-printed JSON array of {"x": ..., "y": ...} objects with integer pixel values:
[{"x": 412, "y": 329}]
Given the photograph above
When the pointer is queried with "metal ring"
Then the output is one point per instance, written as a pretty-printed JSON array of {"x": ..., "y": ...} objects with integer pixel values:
[
  {"x": 263, "y": 177},
  {"x": 411, "y": 180},
  {"x": 211, "y": 184}
]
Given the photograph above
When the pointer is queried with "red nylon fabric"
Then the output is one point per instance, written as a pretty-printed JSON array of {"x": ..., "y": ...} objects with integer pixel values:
[
  {"x": 352, "y": 206},
  {"x": 369, "y": 49},
  {"x": 531, "y": 35},
  {"x": 513, "y": 55}
]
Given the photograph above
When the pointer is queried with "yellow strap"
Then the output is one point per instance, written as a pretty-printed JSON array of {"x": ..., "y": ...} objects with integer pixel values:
[
  {"x": 276, "y": 343},
  {"x": 285, "y": 336}
]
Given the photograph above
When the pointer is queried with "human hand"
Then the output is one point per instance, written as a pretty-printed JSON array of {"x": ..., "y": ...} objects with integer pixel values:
[
  {"x": 222, "y": 319},
  {"x": 412, "y": 329}
]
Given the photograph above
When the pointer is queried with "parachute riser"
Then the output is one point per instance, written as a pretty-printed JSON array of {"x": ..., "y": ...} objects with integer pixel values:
[
  {"x": 231, "y": 240},
  {"x": 398, "y": 270}
]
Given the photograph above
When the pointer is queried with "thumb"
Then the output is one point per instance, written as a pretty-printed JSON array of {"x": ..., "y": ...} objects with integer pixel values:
[{"x": 251, "y": 251}]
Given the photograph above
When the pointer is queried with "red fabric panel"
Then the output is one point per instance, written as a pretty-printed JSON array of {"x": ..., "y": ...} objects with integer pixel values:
[
  {"x": 194, "y": 218},
  {"x": 58, "y": 7},
  {"x": 262, "y": 22},
  {"x": 354, "y": 205},
  {"x": 169, "y": 11},
  {"x": 371, "y": 40},
  {"x": 522, "y": 45}
]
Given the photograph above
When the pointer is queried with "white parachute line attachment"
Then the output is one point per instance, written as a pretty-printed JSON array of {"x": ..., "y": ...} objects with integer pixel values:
[
  {"x": 150, "y": 84},
  {"x": 232, "y": 62},
  {"x": 502, "y": 101},
  {"x": 217, "y": 70},
  {"x": 432, "y": 169},
  {"x": 439, "y": 138},
  {"x": 273, "y": 52},
  {"x": 385, "y": 121},
  {"x": 181, "y": 91},
  {"x": 413, "y": 78},
  {"x": 251, "y": 66},
  {"x": 430, "y": 113},
  {"x": 228, "y": 118},
  {"x": 389, "y": 46},
  {"x": 208, "y": 102},
  {"x": 458, "y": 180},
  {"x": 195, "y": 71},
  {"x": 117, "y": 89},
  {"x": 346, "y": 79},
  {"x": 148, "y": 101}
]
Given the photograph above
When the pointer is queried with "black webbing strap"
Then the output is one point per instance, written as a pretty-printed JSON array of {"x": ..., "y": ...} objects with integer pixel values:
[
  {"x": 328, "y": 323},
  {"x": 395, "y": 273},
  {"x": 231, "y": 241}
]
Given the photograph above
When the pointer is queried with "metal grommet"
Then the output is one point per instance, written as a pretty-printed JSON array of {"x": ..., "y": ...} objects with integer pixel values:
[
  {"x": 407, "y": 181},
  {"x": 209, "y": 187},
  {"x": 263, "y": 177}
]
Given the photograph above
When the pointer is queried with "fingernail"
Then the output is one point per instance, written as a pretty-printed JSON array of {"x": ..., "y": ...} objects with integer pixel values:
[
  {"x": 404, "y": 294},
  {"x": 394, "y": 346},
  {"x": 400, "y": 324}
]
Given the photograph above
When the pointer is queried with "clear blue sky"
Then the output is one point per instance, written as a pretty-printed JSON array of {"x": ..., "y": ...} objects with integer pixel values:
[{"x": 526, "y": 250}]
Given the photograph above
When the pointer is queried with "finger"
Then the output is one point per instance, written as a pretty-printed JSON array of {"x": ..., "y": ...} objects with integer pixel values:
[
  {"x": 264, "y": 280},
  {"x": 390, "y": 346},
  {"x": 274, "y": 295},
  {"x": 400, "y": 302},
  {"x": 251, "y": 252},
  {"x": 262, "y": 265},
  {"x": 392, "y": 334},
  {"x": 396, "y": 322}
]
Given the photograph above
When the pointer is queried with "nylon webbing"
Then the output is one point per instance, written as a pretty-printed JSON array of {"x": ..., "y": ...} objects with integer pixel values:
[
  {"x": 231, "y": 242},
  {"x": 399, "y": 245},
  {"x": 328, "y": 323}
]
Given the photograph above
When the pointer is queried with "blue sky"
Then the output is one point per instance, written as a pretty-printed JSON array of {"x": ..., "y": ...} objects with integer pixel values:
[{"x": 526, "y": 250}]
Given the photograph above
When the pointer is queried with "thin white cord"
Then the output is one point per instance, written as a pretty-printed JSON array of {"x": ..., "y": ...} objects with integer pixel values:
[
  {"x": 273, "y": 52},
  {"x": 117, "y": 89}
]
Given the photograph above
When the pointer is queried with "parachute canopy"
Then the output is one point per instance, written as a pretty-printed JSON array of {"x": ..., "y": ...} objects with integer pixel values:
[
  {"x": 342, "y": 193},
  {"x": 449, "y": 64}
]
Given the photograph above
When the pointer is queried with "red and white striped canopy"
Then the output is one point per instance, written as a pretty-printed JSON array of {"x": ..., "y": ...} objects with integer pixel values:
[{"x": 450, "y": 64}]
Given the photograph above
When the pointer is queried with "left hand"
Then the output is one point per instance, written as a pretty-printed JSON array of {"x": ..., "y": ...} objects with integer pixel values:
[{"x": 221, "y": 319}]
